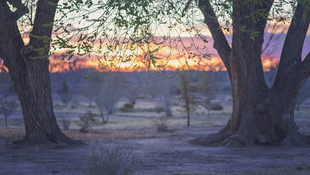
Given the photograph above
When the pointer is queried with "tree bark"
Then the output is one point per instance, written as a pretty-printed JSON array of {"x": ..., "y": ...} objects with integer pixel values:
[
  {"x": 260, "y": 115},
  {"x": 28, "y": 68}
]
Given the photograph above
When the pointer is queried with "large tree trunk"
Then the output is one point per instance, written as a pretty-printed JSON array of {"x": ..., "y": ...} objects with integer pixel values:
[
  {"x": 260, "y": 115},
  {"x": 28, "y": 68}
]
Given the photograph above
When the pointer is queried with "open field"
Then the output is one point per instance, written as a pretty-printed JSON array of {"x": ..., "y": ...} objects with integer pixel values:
[{"x": 157, "y": 153}]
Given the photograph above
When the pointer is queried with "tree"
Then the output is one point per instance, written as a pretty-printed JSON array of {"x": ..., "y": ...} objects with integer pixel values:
[
  {"x": 162, "y": 90},
  {"x": 207, "y": 92},
  {"x": 109, "y": 94},
  {"x": 6, "y": 109},
  {"x": 28, "y": 68},
  {"x": 189, "y": 94},
  {"x": 133, "y": 92},
  {"x": 261, "y": 115},
  {"x": 166, "y": 90}
]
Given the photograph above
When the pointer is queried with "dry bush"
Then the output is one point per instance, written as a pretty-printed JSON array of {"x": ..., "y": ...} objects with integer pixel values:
[
  {"x": 12, "y": 134},
  {"x": 113, "y": 160},
  {"x": 97, "y": 134},
  {"x": 65, "y": 121},
  {"x": 86, "y": 121},
  {"x": 161, "y": 124}
]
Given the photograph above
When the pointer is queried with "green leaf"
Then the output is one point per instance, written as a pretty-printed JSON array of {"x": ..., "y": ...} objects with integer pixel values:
[{"x": 85, "y": 77}]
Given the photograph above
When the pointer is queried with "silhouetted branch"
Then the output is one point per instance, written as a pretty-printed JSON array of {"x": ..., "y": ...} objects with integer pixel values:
[{"x": 220, "y": 42}]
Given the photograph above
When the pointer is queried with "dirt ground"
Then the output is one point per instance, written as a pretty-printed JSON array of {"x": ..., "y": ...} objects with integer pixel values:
[{"x": 167, "y": 153}]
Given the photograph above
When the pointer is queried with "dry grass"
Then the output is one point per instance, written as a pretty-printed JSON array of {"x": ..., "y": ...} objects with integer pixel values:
[
  {"x": 94, "y": 135},
  {"x": 12, "y": 134},
  {"x": 267, "y": 172}
]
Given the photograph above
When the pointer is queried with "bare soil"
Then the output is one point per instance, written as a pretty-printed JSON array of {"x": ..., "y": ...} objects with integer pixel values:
[{"x": 166, "y": 153}]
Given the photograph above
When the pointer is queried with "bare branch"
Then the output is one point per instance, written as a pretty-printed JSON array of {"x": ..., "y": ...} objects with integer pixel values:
[{"x": 220, "y": 42}]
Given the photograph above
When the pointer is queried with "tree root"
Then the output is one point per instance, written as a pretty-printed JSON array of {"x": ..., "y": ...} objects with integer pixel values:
[
  {"x": 237, "y": 140},
  {"x": 211, "y": 140},
  {"x": 231, "y": 139},
  {"x": 296, "y": 139}
]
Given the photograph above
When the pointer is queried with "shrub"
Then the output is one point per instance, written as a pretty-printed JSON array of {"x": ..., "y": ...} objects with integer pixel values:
[
  {"x": 161, "y": 124},
  {"x": 159, "y": 109},
  {"x": 112, "y": 160},
  {"x": 86, "y": 121},
  {"x": 216, "y": 107},
  {"x": 128, "y": 106}
]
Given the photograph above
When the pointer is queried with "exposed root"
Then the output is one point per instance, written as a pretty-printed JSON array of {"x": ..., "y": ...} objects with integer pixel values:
[
  {"x": 234, "y": 143},
  {"x": 296, "y": 139},
  {"x": 229, "y": 140},
  {"x": 237, "y": 140},
  {"x": 211, "y": 140}
]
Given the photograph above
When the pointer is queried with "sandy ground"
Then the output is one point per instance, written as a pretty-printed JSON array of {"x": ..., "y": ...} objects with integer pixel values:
[{"x": 164, "y": 154}]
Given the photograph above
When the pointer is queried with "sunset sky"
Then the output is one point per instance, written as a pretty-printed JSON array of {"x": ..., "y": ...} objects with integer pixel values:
[{"x": 270, "y": 58}]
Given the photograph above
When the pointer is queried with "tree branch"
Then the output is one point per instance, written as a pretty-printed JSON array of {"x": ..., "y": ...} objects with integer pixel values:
[
  {"x": 10, "y": 38},
  {"x": 220, "y": 42},
  {"x": 293, "y": 44},
  {"x": 21, "y": 9},
  {"x": 296, "y": 35},
  {"x": 43, "y": 25},
  {"x": 186, "y": 7},
  {"x": 306, "y": 65},
  {"x": 262, "y": 19}
]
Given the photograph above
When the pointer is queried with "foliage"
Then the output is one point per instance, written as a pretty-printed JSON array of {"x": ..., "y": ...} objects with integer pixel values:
[
  {"x": 110, "y": 160},
  {"x": 128, "y": 105},
  {"x": 216, "y": 107},
  {"x": 129, "y": 33},
  {"x": 86, "y": 121},
  {"x": 159, "y": 109},
  {"x": 304, "y": 93},
  {"x": 6, "y": 109}
]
